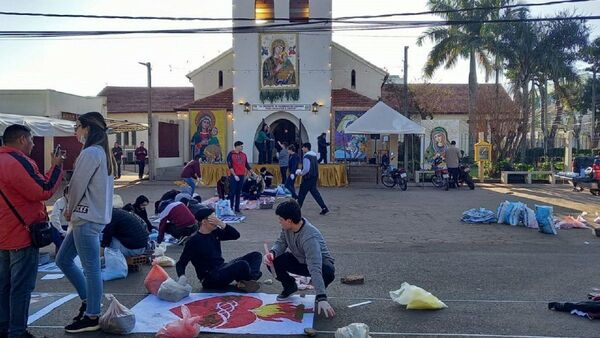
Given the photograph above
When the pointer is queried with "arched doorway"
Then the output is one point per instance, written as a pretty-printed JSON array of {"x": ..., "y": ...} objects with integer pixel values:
[{"x": 284, "y": 127}]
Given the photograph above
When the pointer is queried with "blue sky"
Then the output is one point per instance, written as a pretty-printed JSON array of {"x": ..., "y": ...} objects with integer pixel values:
[{"x": 84, "y": 66}]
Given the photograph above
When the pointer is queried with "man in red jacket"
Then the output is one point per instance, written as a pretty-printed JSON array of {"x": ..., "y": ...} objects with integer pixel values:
[{"x": 26, "y": 189}]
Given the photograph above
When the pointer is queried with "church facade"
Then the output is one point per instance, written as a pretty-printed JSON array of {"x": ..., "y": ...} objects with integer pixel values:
[{"x": 293, "y": 78}]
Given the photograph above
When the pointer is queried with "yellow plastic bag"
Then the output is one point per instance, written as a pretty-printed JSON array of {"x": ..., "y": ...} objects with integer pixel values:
[{"x": 415, "y": 298}]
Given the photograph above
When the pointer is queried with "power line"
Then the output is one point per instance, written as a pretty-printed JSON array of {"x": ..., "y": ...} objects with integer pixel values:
[{"x": 338, "y": 19}]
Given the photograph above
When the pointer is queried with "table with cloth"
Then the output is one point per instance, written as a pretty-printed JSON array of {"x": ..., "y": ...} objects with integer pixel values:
[{"x": 330, "y": 175}]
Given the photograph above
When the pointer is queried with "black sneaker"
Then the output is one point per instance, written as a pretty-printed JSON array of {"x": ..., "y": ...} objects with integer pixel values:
[
  {"x": 86, "y": 324},
  {"x": 324, "y": 211},
  {"x": 286, "y": 293},
  {"x": 248, "y": 286},
  {"x": 82, "y": 309}
]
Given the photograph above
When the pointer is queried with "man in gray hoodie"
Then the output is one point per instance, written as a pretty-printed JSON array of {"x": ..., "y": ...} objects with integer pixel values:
[
  {"x": 302, "y": 250},
  {"x": 310, "y": 177}
]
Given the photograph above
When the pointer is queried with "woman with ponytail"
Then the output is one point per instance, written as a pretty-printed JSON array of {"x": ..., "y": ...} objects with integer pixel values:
[{"x": 89, "y": 209}]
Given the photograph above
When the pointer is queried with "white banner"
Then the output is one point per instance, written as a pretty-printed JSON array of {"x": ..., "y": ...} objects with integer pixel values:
[{"x": 281, "y": 106}]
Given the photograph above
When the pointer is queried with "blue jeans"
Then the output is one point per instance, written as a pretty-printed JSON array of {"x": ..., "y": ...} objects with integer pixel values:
[
  {"x": 289, "y": 185},
  {"x": 117, "y": 245},
  {"x": 18, "y": 270},
  {"x": 83, "y": 240},
  {"x": 192, "y": 183},
  {"x": 235, "y": 191}
]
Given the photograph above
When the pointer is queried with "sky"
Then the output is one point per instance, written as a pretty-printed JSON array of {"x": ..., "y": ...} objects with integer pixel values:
[{"x": 85, "y": 65}]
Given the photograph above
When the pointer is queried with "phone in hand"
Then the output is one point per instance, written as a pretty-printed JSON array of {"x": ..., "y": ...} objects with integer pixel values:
[{"x": 57, "y": 150}]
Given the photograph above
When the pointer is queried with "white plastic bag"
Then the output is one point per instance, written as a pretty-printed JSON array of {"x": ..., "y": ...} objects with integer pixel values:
[
  {"x": 116, "y": 265},
  {"x": 160, "y": 250},
  {"x": 173, "y": 291},
  {"x": 530, "y": 221},
  {"x": 186, "y": 327},
  {"x": 117, "y": 319},
  {"x": 164, "y": 261},
  {"x": 416, "y": 298},
  {"x": 354, "y": 330}
]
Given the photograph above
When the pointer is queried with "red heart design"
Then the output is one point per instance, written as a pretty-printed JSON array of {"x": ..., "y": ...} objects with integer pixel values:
[{"x": 223, "y": 312}]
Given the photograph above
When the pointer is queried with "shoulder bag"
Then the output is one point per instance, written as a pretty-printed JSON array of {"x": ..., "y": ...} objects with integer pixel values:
[{"x": 41, "y": 232}]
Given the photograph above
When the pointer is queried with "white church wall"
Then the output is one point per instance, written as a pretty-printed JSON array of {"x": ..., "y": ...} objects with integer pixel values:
[
  {"x": 368, "y": 77},
  {"x": 206, "y": 78}
]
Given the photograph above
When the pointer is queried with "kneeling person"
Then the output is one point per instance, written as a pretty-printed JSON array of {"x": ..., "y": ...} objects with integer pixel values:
[
  {"x": 178, "y": 221},
  {"x": 308, "y": 255},
  {"x": 126, "y": 232},
  {"x": 203, "y": 249}
]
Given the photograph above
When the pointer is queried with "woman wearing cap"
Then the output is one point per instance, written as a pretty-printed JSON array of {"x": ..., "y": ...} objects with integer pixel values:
[{"x": 89, "y": 209}]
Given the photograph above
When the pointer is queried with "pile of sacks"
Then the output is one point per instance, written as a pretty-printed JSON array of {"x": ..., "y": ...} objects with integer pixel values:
[{"x": 517, "y": 213}]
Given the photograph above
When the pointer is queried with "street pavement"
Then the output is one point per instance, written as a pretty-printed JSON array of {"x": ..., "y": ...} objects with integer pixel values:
[{"x": 496, "y": 279}]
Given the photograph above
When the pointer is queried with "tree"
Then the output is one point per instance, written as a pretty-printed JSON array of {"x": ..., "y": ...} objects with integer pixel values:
[
  {"x": 591, "y": 55},
  {"x": 462, "y": 41}
]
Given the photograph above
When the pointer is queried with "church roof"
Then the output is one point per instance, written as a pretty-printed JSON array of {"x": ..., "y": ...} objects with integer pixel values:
[
  {"x": 135, "y": 99},
  {"x": 442, "y": 98},
  {"x": 220, "y": 100},
  {"x": 348, "y": 98}
]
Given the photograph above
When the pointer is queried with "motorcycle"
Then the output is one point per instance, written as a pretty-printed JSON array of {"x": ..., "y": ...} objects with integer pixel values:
[
  {"x": 464, "y": 177},
  {"x": 391, "y": 176},
  {"x": 440, "y": 178}
]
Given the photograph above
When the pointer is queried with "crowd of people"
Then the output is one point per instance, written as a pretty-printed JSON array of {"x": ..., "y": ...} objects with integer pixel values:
[{"x": 84, "y": 221}]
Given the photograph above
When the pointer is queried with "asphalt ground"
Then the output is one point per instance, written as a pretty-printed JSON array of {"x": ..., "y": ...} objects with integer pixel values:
[{"x": 496, "y": 279}]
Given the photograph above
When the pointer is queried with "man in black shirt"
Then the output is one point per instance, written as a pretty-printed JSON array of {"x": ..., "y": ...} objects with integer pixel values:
[
  {"x": 125, "y": 232},
  {"x": 203, "y": 249}
]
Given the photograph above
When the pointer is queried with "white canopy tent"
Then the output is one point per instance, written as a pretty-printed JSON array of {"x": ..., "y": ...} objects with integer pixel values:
[
  {"x": 383, "y": 119},
  {"x": 39, "y": 125}
]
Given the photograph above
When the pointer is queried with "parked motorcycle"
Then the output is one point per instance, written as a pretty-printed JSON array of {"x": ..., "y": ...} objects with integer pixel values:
[
  {"x": 391, "y": 176},
  {"x": 464, "y": 177},
  {"x": 440, "y": 178}
]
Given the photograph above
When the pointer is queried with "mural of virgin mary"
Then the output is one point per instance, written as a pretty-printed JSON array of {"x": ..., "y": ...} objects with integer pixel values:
[
  {"x": 203, "y": 137},
  {"x": 438, "y": 143}
]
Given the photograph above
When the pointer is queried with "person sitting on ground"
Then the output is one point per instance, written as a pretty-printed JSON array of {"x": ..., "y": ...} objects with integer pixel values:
[
  {"x": 126, "y": 232},
  {"x": 267, "y": 177},
  {"x": 165, "y": 200},
  {"x": 253, "y": 187},
  {"x": 178, "y": 221},
  {"x": 223, "y": 188},
  {"x": 58, "y": 221},
  {"x": 139, "y": 208},
  {"x": 203, "y": 249},
  {"x": 302, "y": 250}
]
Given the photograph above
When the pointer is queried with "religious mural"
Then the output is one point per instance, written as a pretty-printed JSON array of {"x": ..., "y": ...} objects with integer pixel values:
[
  {"x": 278, "y": 67},
  {"x": 207, "y": 130},
  {"x": 348, "y": 146},
  {"x": 438, "y": 143}
]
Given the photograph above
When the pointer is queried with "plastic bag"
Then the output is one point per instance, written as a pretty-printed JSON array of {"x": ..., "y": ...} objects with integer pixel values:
[
  {"x": 173, "y": 291},
  {"x": 515, "y": 216},
  {"x": 164, "y": 261},
  {"x": 156, "y": 276},
  {"x": 160, "y": 250},
  {"x": 569, "y": 222},
  {"x": 223, "y": 208},
  {"x": 543, "y": 214},
  {"x": 530, "y": 221},
  {"x": 504, "y": 211},
  {"x": 354, "y": 330},
  {"x": 116, "y": 265},
  {"x": 415, "y": 298},
  {"x": 117, "y": 319},
  {"x": 186, "y": 327}
]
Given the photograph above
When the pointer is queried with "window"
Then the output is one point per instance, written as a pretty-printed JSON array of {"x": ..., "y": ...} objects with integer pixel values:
[
  {"x": 353, "y": 79},
  {"x": 264, "y": 10},
  {"x": 220, "y": 79},
  {"x": 126, "y": 139},
  {"x": 119, "y": 138},
  {"x": 168, "y": 140},
  {"x": 133, "y": 138},
  {"x": 299, "y": 10}
]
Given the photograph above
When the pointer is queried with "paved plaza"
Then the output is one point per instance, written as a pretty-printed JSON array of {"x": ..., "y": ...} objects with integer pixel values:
[{"x": 496, "y": 279}]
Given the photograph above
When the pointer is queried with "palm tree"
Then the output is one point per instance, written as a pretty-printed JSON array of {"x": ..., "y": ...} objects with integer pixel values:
[{"x": 462, "y": 41}]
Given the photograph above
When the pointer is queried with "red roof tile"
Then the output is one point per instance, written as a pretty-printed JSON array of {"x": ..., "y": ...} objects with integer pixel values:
[
  {"x": 221, "y": 100},
  {"x": 347, "y": 98},
  {"x": 436, "y": 98},
  {"x": 135, "y": 99}
]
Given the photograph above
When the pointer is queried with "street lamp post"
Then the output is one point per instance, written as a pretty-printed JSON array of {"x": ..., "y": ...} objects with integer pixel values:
[{"x": 151, "y": 157}]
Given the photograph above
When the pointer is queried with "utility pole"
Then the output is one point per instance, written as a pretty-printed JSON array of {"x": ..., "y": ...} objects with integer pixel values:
[
  {"x": 405, "y": 104},
  {"x": 151, "y": 157}
]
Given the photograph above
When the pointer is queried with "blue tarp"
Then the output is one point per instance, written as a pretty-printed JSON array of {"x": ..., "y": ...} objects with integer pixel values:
[{"x": 480, "y": 215}]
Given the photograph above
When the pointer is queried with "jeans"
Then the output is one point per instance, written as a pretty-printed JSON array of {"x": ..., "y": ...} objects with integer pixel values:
[
  {"x": 83, "y": 240},
  {"x": 323, "y": 156},
  {"x": 454, "y": 176},
  {"x": 283, "y": 171},
  {"x": 18, "y": 271},
  {"x": 310, "y": 184},
  {"x": 141, "y": 165},
  {"x": 288, "y": 263},
  {"x": 262, "y": 153},
  {"x": 117, "y": 245},
  {"x": 191, "y": 182},
  {"x": 246, "y": 267},
  {"x": 118, "y": 168},
  {"x": 235, "y": 191},
  {"x": 289, "y": 185}
]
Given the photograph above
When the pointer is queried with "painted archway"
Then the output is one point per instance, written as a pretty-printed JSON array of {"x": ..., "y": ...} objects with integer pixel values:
[{"x": 278, "y": 122}]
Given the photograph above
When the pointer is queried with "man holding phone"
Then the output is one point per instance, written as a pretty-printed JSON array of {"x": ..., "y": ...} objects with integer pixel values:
[{"x": 204, "y": 251}]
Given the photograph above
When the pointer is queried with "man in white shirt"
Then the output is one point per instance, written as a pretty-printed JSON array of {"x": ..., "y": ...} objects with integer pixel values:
[{"x": 58, "y": 221}]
